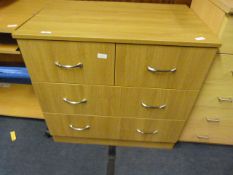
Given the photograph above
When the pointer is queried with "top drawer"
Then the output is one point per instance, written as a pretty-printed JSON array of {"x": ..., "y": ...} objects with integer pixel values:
[
  {"x": 162, "y": 66},
  {"x": 70, "y": 62}
]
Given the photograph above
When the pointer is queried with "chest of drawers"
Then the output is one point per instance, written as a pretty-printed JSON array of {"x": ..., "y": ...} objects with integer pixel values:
[
  {"x": 117, "y": 73},
  {"x": 212, "y": 118}
]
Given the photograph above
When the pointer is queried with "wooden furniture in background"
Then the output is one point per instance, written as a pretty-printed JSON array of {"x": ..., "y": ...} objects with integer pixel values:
[
  {"x": 119, "y": 75},
  {"x": 212, "y": 118},
  {"x": 15, "y": 99}
]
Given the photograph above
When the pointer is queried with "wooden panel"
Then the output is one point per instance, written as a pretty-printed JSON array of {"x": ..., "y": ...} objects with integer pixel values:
[
  {"x": 209, "y": 13},
  {"x": 217, "y": 129},
  {"x": 192, "y": 65},
  {"x": 15, "y": 12},
  {"x": 113, "y": 142},
  {"x": 115, "y": 101},
  {"x": 188, "y": 2},
  {"x": 222, "y": 70},
  {"x": 40, "y": 57},
  {"x": 19, "y": 101},
  {"x": 114, "y": 128},
  {"x": 226, "y": 5},
  {"x": 117, "y": 22},
  {"x": 218, "y": 21}
]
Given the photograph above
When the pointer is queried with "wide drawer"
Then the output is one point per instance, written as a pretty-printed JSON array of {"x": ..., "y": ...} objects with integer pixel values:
[
  {"x": 70, "y": 62},
  {"x": 162, "y": 66},
  {"x": 114, "y": 128},
  {"x": 115, "y": 101},
  {"x": 216, "y": 95},
  {"x": 221, "y": 70},
  {"x": 210, "y": 125}
]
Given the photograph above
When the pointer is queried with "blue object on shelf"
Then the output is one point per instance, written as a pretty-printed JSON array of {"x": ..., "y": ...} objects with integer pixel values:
[{"x": 14, "y": 75}]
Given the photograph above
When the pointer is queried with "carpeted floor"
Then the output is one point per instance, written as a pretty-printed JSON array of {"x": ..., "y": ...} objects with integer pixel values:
[{"x": 35, "y": 154}]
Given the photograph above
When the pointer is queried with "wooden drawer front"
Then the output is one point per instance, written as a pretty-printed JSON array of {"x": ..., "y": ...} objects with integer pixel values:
[
  {"x": 41, "y": 56},
  {"x": 216, "y": 95},
  {"x": 210, "y": 125},
  {"x": 114, "y": 128},
  {"x": 188, "y": 66},
  {"x": 115, "y": 101},
  {"x": 221, "y": 70}
]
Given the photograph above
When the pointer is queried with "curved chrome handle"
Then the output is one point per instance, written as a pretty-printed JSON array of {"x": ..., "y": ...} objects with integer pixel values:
[
  {"x": 152, "y": 69},
  {"x": 222, "y": 99},
  {"x": 142, "y": 132},
  {"x": 202, "y": 137},
  {"x": 153, "y": 107},
  {"x": 74, "y": 102},
  {"x": 79, "y": 65},
  {"x": 80, "y": 129},
  {"x": 216, "y": 120}
]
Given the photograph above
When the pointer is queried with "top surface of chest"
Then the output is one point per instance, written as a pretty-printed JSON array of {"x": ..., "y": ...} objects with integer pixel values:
[{"x": 119, "y": 22}]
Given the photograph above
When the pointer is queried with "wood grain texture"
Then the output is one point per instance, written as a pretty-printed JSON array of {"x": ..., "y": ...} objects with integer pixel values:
[
  {"x": 118, "y": 22},
  {"x": 221, "y": 70},
  {"x": 40, "y": 57},
  {"x": 114, "y": 128},
  {"x": 19, "y": 101},
  {"x": 218, "y": 21},
  {"x": 115, "y": 101},
  {"x": 198, "y": 129},
  {"x": 113, "y": 142},
  {"x": 187, "y": 2},
  {"x": 226, "y": 5},
  {"x": 16, "y": 12},
  {"x": 132, "y": 62}
]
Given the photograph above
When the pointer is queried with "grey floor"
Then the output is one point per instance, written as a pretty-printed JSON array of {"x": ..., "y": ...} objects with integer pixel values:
[{"x": 34, "y": 154}]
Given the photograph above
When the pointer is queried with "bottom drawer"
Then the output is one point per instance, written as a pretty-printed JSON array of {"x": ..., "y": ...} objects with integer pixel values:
[
  {"x": 209, "y": 125},
  {"x": 114, "y": 128}
]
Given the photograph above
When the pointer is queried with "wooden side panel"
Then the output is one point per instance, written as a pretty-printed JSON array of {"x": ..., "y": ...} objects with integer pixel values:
[
  {"x": 40, "y": 58},
  {"x": 191, "y": 64}
]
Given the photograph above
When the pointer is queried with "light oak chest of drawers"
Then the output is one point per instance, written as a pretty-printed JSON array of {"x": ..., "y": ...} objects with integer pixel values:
[
  {"x": 117, "y": 73},
  {"x": 212, "y": 118}
]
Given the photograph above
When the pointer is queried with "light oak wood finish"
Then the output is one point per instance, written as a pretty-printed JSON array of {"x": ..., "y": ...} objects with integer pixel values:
[
  {"x": 115, "y": 101},
  {"x": 118, "y": 22},
  {"x": 114, "y": 128},
  {"x": 10, "y": 59},
  {"x": 19, "y": 101},
  {"x": 209, "y": 125},
  {"x": 132, "y": 63},
  {"x": 218, "y": 20},
  {"x": 16, "y": 12},
  {"x": 42, "y": 66},
  {"x": 114, "y": 142},
  {"x": 226, "y": 5}
]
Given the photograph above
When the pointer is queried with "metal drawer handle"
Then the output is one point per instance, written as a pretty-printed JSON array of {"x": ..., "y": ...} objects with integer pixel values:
[
  {"x": 79, "y": 65},
  {"x": 222, "y": 99},
  {"x": 80, "y": 129},
  {"x": 142, "y": 132},
  {"x": 202, "y": 137},
  {"x": 216, "y": 120},
  {"x": 74, "y": 102},
  {"x": 152, "y": 69},
  {"x": 153, "y": 107}
]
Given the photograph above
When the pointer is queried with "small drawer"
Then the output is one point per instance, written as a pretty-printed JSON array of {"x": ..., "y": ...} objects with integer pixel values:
[
  {"x": 70, "y": 62},
  {"x": 216, "y": 95},
  {"x": 209, "y": 125},
  {"x": 115, "y": 101},
  {"x": 114, "y": 128},
  {"x": 162, "y": 66},
  {"x": 221, "y": 70}
]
